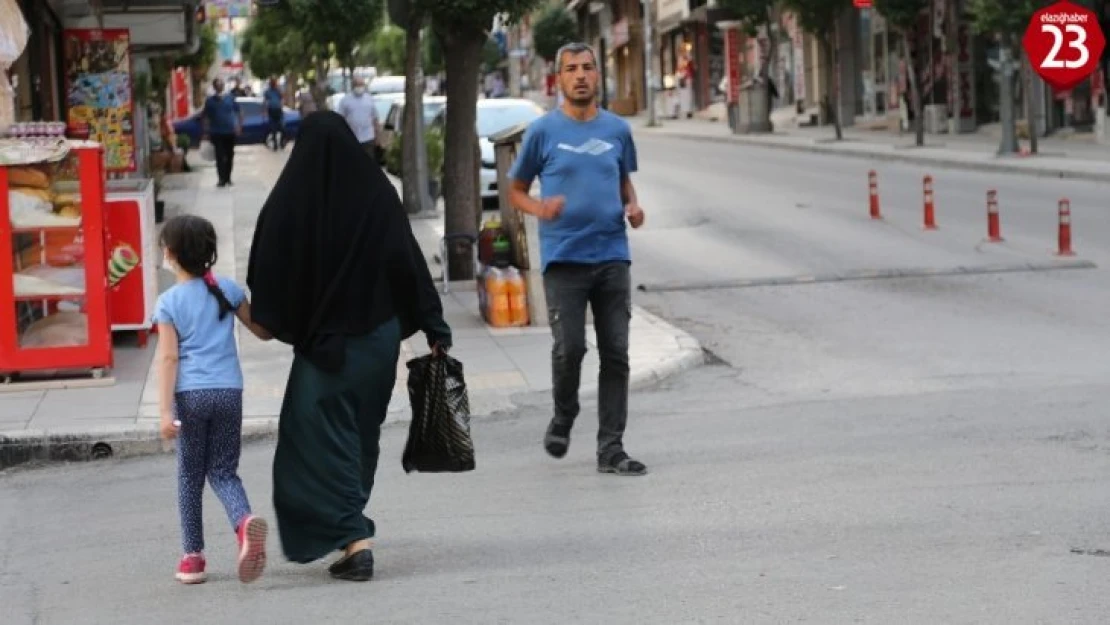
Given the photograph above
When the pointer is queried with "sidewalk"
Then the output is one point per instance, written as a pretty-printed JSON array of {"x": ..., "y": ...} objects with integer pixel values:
[
  {"x": 1076, "y": 157},
  {"x": 503, "y": 366}
]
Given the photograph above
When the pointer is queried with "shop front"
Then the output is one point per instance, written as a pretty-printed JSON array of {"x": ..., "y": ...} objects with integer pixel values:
[
  {"x": 35, "y": 79},
  {"x": 77, "y": 212},
  {"x": 625, "y": 58},
  {"x": 707, "y": 53},
  {"x": 675, "y": 61}
]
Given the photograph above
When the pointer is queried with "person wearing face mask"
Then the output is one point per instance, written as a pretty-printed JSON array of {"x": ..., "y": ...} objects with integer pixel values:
[{"x": 358, "y": 109}]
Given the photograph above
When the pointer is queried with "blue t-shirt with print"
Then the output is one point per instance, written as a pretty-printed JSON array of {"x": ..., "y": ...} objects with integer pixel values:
[
  {"x": 207, "y": 354},
  {"x": 584, "y": 161},
  {"x": 222, "y": 112}
]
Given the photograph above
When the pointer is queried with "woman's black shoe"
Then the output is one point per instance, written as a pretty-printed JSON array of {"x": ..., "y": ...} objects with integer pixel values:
[{"x": 357, "y": 567}]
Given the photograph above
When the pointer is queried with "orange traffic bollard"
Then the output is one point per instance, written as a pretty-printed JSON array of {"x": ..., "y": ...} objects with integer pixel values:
[
  {"x": 873, "y": 190},
  {"x": 930, "y": 210},
  {"x": 994, "y": 227},
  {"x": 1065, "y": 229}
]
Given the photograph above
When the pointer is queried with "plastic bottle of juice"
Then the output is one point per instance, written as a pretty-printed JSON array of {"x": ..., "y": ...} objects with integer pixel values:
[
  {"x": 497, "y": 290},
  {"x": 518, "y": 297}
]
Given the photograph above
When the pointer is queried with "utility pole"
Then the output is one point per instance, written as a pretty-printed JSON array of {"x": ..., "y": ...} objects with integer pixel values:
[{"x": 649, "y": 61}]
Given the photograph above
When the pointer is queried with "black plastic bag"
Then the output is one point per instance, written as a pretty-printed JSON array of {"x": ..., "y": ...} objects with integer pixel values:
[{"x": 439, "y": 435}]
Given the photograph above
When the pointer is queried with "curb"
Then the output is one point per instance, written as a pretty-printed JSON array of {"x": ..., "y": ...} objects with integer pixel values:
[
  {"x": 891, "y": 155},
  {"x": 100, "y": 443},
  {"x": 75, "y": 445}
]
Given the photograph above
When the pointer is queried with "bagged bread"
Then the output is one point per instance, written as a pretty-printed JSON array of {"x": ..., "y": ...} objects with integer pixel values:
[
  {"x": 65, "y": 199},
  {"x": 28, "y": 177},
  {"x": 41, "y": 194}
]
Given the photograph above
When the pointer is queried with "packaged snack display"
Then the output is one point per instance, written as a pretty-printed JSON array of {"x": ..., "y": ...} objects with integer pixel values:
[{"x": 53, "y": 266}]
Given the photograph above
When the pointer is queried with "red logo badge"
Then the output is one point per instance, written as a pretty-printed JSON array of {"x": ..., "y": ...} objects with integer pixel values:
[{"x": 1064, "y": 43}]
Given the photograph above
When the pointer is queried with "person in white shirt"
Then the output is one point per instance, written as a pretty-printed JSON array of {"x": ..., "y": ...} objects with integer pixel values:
[{"x": 358, "y": 109}]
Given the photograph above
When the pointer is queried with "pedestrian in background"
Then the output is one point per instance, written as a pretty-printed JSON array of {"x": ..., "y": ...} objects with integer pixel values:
[
  {"x": 201, "y": 393},
  {"x": 222, "y": 123},
  {"x": 358, "y": 109},
  {"x": 336, "y": 273},
  {"x": 584, "y": 157},
  {"x": 275, "y": 110}
]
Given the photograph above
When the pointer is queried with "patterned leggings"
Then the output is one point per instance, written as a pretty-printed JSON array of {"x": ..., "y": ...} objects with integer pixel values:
[{"x": 208, "y": 446}]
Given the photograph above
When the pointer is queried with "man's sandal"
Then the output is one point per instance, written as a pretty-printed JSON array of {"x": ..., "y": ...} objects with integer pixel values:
[
  {"x": 557, "y": 439},
  {"x": 621, "y": 464}
]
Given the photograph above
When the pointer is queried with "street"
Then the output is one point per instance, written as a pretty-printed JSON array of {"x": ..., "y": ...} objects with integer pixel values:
[{"x": 907, "y": 450}]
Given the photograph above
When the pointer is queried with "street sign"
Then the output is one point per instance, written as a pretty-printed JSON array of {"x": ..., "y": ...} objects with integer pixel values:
[{"x": 1064, "y": 43}]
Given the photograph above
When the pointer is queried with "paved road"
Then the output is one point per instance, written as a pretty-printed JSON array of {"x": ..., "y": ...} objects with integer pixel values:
[{"x": 927, "y": 450}]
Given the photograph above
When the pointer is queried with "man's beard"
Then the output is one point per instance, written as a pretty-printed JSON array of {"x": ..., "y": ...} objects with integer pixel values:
[{"x": 576, "y": 100}]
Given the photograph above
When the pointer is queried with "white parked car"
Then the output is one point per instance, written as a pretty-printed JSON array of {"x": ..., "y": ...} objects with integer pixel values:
[{"x": 495, "y": 115}]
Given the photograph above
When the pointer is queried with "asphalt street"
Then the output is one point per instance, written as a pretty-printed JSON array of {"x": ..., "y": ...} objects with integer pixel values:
[{"x": 922, "y": 450}]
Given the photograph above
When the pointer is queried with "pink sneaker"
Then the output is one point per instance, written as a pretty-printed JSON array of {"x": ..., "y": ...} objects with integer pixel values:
[
  {"x": 191, "y": 569},
  {"x": 252, "y": 548}
]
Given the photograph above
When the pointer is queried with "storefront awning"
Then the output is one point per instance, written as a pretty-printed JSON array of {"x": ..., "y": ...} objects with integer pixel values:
[{"x": 156, "y": 25}]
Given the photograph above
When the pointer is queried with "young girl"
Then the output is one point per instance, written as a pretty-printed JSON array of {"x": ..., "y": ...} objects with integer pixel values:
[{"x": 201, "y": 392}]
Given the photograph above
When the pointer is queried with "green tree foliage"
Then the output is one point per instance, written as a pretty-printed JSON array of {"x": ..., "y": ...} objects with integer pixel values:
[
  {"x": 553, "y": 28},
  {"x": 433, "y": 53},
  {"x": 340, "y": 24},
  {"x": 205, "y": 55},
  {"x": 273, "y": 45},
  {"x": 463, "y": 29},
  {"x": 903, "y": 15},
  {"x": 821, "y": 19},
  {"x": 388, "y": 50}
]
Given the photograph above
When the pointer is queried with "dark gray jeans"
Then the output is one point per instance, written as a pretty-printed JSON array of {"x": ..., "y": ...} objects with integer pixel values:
[{"x": 607, "y": 288}]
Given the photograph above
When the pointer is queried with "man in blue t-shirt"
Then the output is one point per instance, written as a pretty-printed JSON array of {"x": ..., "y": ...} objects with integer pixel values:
[
  {"x": 584, "y": 157},
  {"x": 275, "y": 110},
  {"x": 222, "y": 121}
]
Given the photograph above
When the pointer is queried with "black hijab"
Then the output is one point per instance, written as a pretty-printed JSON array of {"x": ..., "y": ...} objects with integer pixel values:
[{"x": 334, "y": 254}]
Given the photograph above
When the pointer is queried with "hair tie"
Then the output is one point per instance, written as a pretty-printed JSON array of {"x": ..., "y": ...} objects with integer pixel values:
[{"x": 209, "y": 279}]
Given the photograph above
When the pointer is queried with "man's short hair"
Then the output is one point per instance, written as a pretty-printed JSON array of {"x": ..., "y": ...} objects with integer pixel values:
[{"x": 576, "y": 47}]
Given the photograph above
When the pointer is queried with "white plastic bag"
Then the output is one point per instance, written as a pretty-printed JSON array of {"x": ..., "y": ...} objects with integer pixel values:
[
  {"x": 207, "y": 150},
  {"x": 13, "y": 39}
]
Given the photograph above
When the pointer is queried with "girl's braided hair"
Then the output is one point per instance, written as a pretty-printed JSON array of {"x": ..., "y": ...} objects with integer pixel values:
[{"x": 192, "y": 241}]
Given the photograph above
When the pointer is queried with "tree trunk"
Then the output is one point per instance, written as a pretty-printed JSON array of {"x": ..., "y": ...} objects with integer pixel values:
[
  {"x": 320, "y": 93},
  {"x": 1008, "y": 118},
  {"x": 414, "y": 162},
  {"x": 772, "y": 61},
  {"x": 290, "y": 96},
  {"x": 915, "y": 92},
  {"x": 462, "y": 53},
  {"x": 832, "y": 50},
  {"x": 1031, "y": 104}
]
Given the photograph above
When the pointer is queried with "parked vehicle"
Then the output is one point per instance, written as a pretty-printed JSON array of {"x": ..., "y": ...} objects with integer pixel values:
[
  {"x": 394, "y": 120},
  {"x": 494, "y": 116},
  {"x": 256, "y": 123}
]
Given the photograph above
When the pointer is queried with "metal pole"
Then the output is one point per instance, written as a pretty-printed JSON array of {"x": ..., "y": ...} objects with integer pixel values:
[{"x": 649, "y": 89}]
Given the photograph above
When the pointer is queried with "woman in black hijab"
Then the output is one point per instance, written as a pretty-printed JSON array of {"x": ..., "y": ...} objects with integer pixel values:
[{"x": 336, "y": 273}]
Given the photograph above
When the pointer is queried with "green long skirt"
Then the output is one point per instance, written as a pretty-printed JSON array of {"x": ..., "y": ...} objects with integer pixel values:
[{"x": 327, "y": 450}]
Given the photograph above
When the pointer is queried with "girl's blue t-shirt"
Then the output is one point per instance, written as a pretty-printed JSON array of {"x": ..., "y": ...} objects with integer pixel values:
[{"x": 207, "y": 354}]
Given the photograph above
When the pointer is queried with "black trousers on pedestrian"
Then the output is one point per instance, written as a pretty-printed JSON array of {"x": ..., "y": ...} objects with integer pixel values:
[
  {"x": 225, "y": 155},
  {"x": 607, "y": 289},
  {"x": 277, "y": 128}
]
